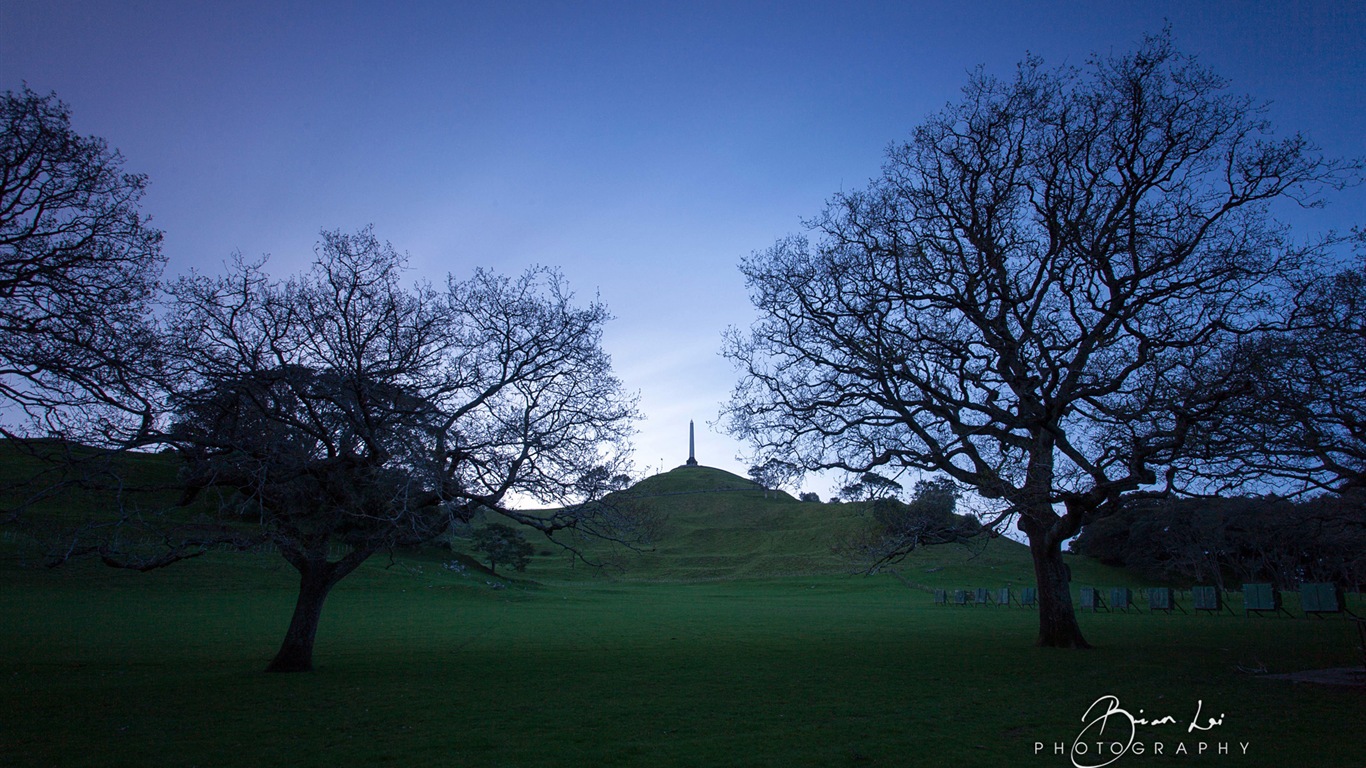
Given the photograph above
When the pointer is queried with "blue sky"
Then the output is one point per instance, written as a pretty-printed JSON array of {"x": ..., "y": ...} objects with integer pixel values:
[{"x": 643, "y": 148}]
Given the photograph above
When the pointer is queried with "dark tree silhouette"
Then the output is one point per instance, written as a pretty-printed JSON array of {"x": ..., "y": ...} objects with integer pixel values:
[
  {"x": 870, "y": 486},
  {"x": 79, "y": 266},
  {"x": 1262, "y": 538},
  {"x": 1018, "y": 300},
  {"x": 898, "y": 528},
  {"x": 341, "y": 409}
]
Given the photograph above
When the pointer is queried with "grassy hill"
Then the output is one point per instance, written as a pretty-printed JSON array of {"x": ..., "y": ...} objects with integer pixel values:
[{"x": 715, "y": 525}]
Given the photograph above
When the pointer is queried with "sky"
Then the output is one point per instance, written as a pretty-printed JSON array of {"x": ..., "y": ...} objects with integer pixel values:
[{"x": 643, "y": 148}]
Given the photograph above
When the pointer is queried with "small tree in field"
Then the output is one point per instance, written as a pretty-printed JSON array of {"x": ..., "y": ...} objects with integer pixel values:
[
  {"x": 503, "y": 544},
  {"x": 342, "y": 408},
  {"x": 1019, "y": 301}
]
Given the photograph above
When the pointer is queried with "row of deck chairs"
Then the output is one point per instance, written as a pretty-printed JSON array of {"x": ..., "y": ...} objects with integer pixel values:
[
  {"x": 1027, "y": 597},
  {"x": 1315, "y": 599}
]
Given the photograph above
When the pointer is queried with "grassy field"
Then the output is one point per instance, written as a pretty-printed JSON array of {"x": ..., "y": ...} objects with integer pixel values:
[
  {"x": 419, "y": 665},
  {"x": 740, "y": 641}
]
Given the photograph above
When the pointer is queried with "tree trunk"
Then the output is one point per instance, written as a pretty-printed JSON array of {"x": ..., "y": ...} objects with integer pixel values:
[
  {"x": 1058, "y": 626},
  {"x": 316, "y": 578},
  {"x": 296, "y": 653}
]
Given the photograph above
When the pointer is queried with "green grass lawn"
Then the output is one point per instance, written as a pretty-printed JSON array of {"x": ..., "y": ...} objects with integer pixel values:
[
  {"x": 419, "y": 665},
  {"x": 739, "y": 640}
]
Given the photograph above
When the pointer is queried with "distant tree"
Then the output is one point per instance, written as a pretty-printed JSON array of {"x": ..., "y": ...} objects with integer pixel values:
[
  {"x": 79, "y": 266},
  {"x": 878, "y": 487},
  {"x": 503, "y": 544},
  {"x": 341, "y": 409},
  {"x": 854, "y": 491},
  {"x": 898, "y": 528},
  {"x": 773, "y": 474},
  {"x": 1020, "y": 299},
  {"x": 1164, "y": 539},
  {"x": 1334, "y": 529},
  {"x": 870, "y": 486},
  {"x": 811, "y": 497}
]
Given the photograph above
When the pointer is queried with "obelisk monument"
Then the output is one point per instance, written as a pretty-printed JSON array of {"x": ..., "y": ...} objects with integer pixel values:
[{"x": 692, "y": 446}]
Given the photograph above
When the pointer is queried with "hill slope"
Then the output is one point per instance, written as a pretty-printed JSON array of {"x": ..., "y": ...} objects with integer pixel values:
[
  {"x": 716, "y": 525},
  {"x": 713, "y": 525}
]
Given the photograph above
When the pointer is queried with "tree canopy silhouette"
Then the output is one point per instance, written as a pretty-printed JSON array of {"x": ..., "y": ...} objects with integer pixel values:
[
  {"x": 79, "y": 265},
  {"x": 346, "y": 414},
  {"x": 1019, "y": 301}
]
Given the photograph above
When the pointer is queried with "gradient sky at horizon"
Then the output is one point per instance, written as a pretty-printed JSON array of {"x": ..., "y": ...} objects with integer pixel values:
[{"x": 643, "y": 148}]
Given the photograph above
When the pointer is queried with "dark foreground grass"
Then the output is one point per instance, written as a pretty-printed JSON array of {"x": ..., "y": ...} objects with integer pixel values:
[{"x": 433, "y": 668}]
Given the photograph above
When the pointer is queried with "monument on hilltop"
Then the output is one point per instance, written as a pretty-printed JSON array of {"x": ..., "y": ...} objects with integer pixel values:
[{"x": 692, "y": 446}]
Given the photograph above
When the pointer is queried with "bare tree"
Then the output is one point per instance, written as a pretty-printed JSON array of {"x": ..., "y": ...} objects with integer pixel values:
[
  {"x": 1015, "y": 300},
  {"x": 340, "y": 413},
  {"x": 79, "y": 266}
]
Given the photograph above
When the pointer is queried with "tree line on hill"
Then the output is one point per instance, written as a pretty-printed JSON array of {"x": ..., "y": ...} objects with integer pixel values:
[{"x": 1235, "y": 540}]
